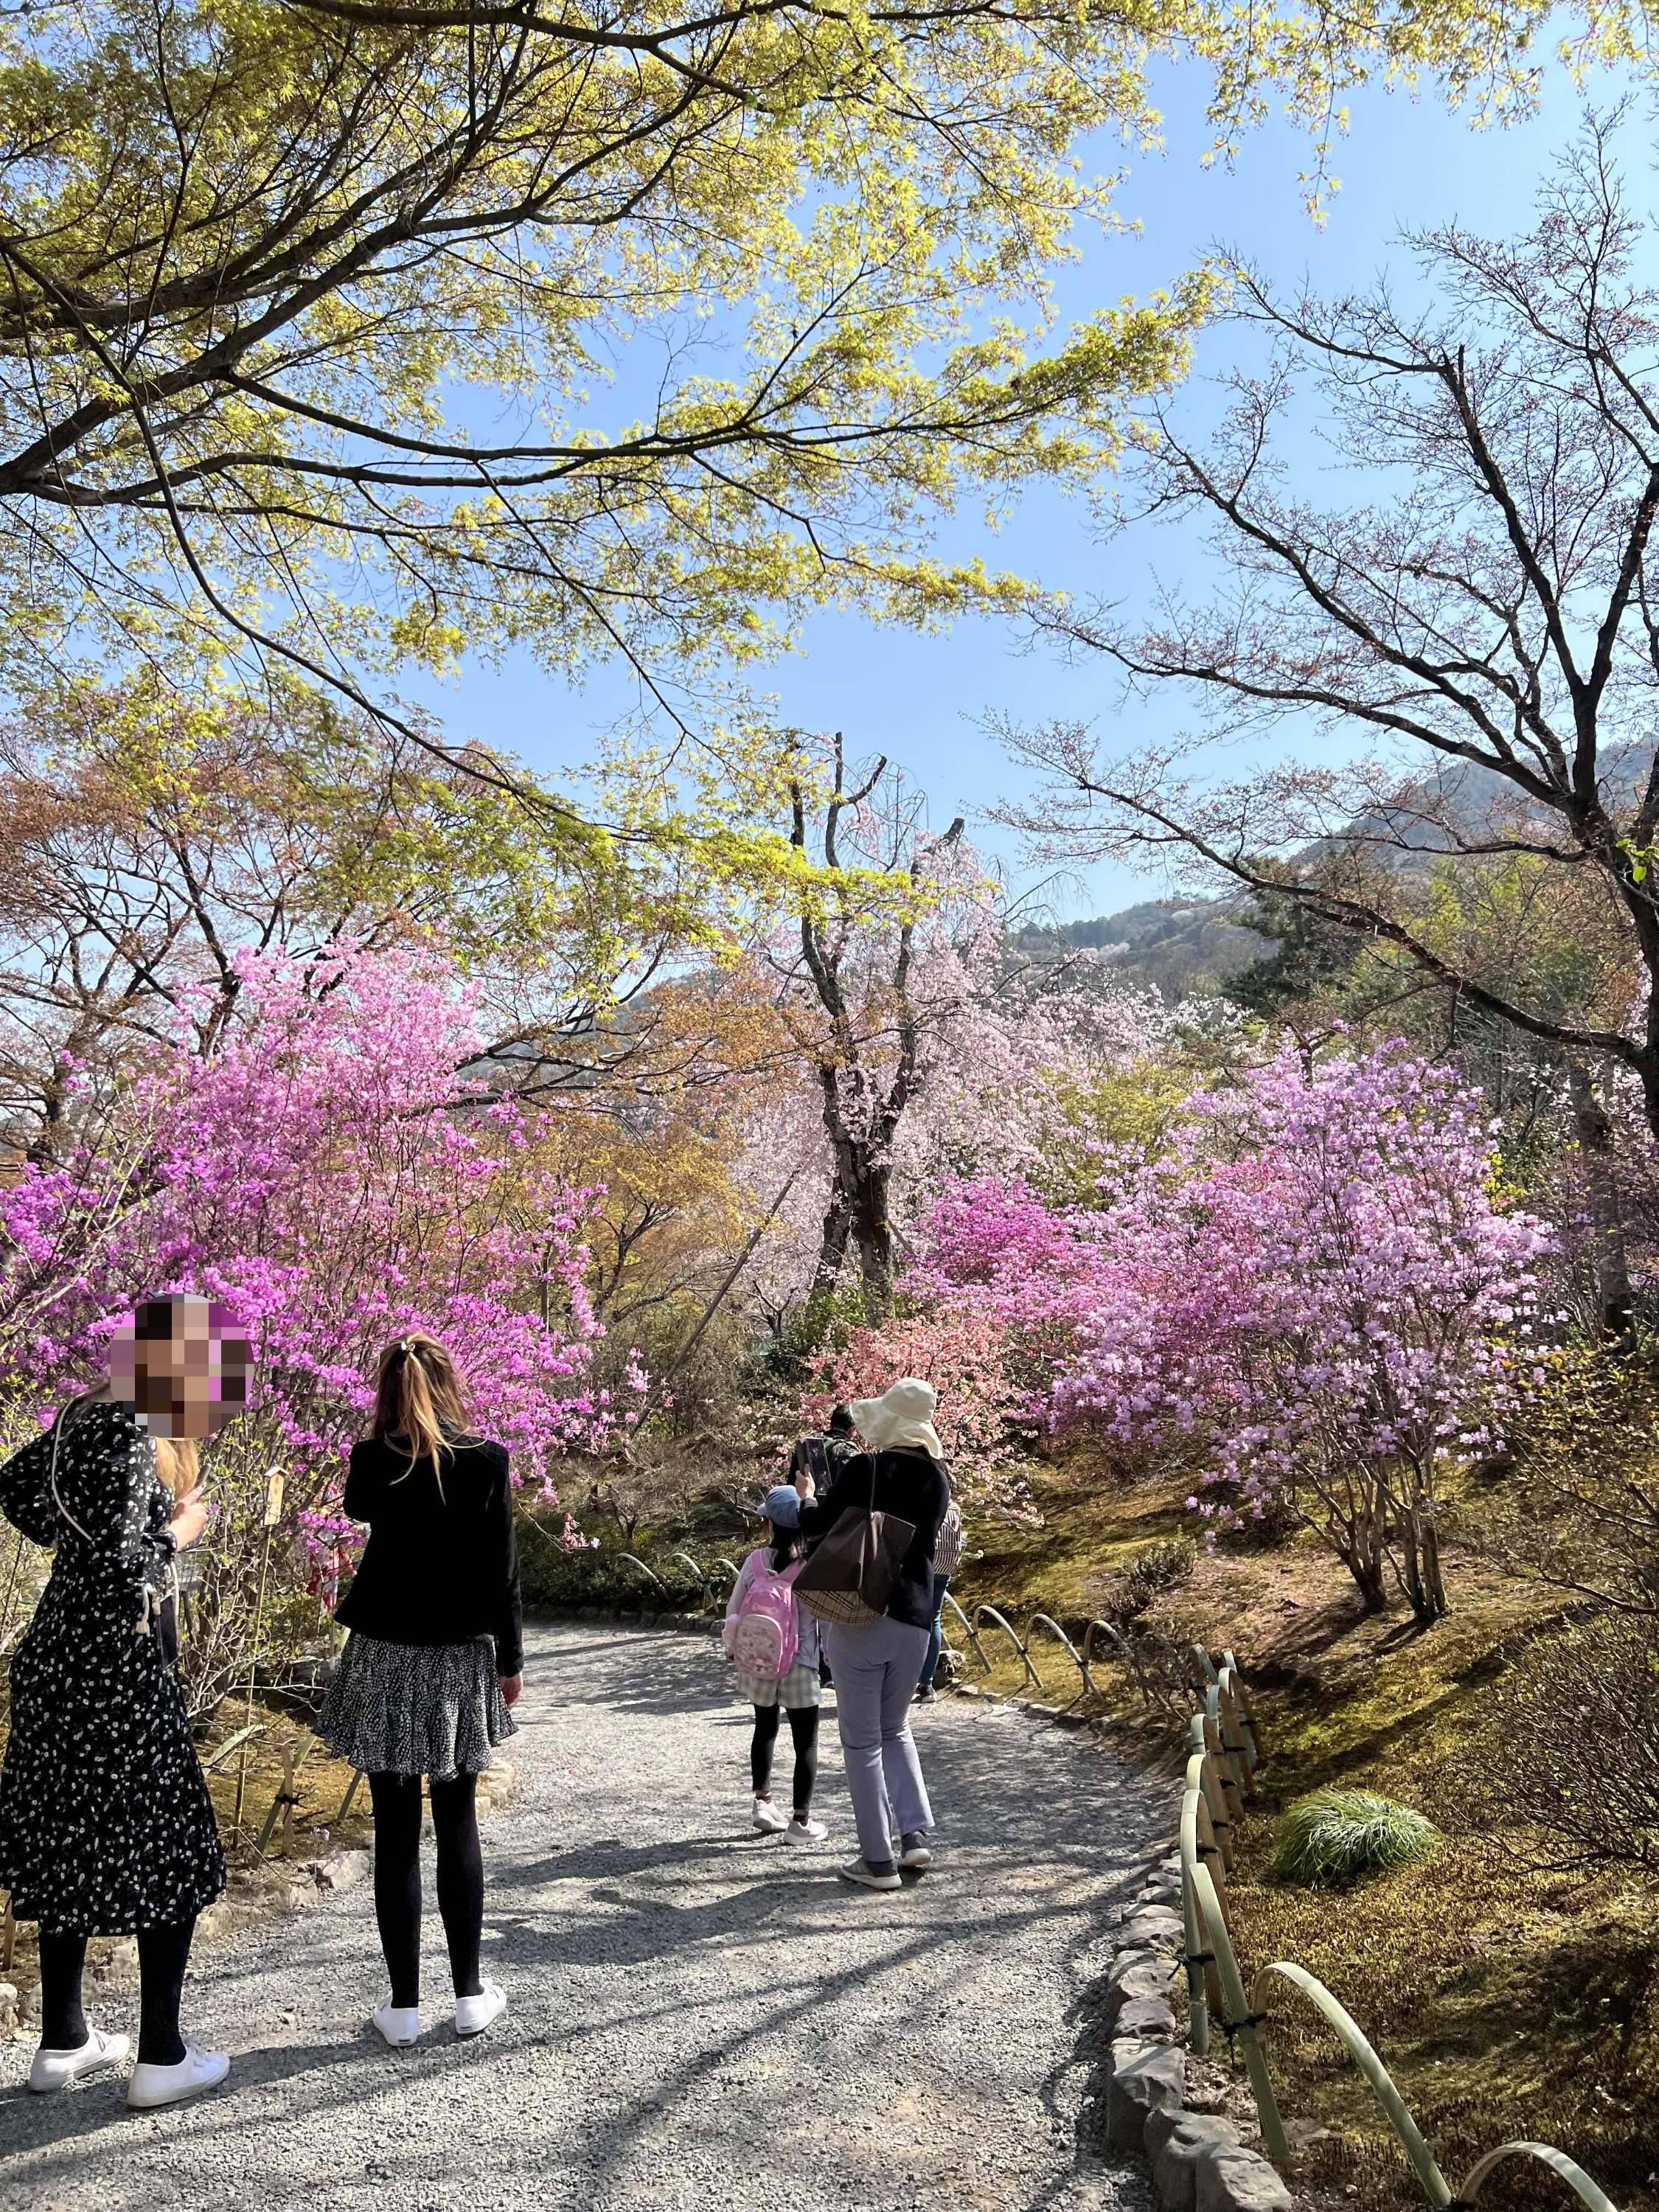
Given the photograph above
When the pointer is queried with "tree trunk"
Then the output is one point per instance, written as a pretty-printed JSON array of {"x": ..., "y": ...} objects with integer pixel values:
[
  {"x": 832, "y": 1245},
  {"x": 875, "y": 1236},
  {"x": 1431, "y": 1575},
  {"x": 1418, "y": 1541},
  {"x": 1361, "y": 1553},
  {"x": 1597, "y": 1152}
]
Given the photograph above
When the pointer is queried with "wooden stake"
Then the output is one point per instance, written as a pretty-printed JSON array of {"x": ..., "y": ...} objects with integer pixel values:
[{"x": 273, "y": 1514}]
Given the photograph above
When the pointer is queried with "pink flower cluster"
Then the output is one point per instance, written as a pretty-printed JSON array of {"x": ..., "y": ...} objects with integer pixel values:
[
  {"x": 1314, "y": 1273},
  {"x": 327, "y": 1173}
]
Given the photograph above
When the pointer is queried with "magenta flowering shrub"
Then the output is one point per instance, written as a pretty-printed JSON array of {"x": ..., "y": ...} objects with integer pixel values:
[
  {"x": 998, "y": 1250},
  {"x": 1311, "y": 1299},
  {"x": 327, "y": 1173},
  {"x": 1319, "y": 1290}
]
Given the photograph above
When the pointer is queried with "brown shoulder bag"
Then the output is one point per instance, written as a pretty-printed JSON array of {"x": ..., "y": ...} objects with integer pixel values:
[{"x": 850, "y": 1577}]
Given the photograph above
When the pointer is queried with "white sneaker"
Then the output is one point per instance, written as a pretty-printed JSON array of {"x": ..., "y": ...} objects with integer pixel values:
[
  {"x": 914, "y": 1851},
  {"x": 197, "y": 2071},
  {"x": 474, "y": 2014},
  {"x": 769, "y": 1821},
  {"x": 804, "y": 1832},
  {"x": 400, "y": 2024},
  {"x": 856, "y": 1871},
  {"x": 55, "y": 2069}
]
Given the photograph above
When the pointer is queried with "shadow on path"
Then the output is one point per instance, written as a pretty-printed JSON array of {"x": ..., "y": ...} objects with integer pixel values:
[{"x": 697, "y": 2016}]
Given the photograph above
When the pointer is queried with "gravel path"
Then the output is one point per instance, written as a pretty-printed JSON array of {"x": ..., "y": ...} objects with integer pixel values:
[{"x": 699, "y": 2017}]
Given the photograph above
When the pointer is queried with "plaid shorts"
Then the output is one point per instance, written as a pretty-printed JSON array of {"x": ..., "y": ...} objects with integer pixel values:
[{"x": 799, "y": 1687}]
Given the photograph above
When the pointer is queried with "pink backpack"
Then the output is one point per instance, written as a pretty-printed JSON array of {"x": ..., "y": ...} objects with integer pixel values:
[{"x": 764, "y": 1636}]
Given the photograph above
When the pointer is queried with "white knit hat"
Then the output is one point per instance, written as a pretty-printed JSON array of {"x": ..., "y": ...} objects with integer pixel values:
[{"x": 902, "y": 1415}]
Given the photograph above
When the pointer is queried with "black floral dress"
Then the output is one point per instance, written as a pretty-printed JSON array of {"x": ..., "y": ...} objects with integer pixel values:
[{"x": 106, "y": 1825}]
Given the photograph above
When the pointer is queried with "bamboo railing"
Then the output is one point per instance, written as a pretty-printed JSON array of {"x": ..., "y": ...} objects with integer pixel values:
[{"x": 1224, "y": 1752}]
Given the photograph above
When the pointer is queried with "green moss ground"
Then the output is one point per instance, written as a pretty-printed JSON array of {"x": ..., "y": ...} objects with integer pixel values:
[{"x": 1506, "y": 2001}]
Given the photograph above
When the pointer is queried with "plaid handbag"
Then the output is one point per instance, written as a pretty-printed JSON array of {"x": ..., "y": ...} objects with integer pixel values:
[{"x": 849, "y": 1577}]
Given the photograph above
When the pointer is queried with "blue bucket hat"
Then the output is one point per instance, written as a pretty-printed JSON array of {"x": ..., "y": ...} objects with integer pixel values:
[{"x": 782, "y": 1506}]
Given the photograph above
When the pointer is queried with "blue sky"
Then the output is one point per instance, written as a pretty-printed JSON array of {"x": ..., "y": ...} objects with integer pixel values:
[{"x": 922, "y": 699}]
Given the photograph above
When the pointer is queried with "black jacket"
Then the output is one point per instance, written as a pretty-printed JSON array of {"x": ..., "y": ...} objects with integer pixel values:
[
  {"x": 911, "y": 1485},
  {"x": 435, "y": 1570}
]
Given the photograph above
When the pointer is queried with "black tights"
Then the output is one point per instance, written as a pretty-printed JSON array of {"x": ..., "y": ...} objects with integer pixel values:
[
  {"x": 803, "y": 1728},
  {"x": 162, "y": 1953},
  {"x": 398, "y": 1878}
]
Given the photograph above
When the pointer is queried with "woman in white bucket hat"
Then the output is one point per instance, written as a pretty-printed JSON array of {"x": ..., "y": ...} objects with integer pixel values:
[{"x": 875, "y": 1668}]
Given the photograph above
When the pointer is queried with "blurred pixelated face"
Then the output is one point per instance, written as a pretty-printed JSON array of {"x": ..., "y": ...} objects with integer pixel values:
[{"x": 182, "y": 1365}]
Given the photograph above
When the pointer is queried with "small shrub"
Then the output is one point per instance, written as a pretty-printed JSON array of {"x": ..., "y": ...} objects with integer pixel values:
[
  {"x": 1580, "y": 1750},
  {"x": 1154, "y": 1569},
  {"x": 1158, "y": 1567},
  {"x": 1337, "y": 1836}
]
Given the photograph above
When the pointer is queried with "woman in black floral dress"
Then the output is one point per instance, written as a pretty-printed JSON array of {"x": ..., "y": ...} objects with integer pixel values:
[{"x": 106, "y": 1825}]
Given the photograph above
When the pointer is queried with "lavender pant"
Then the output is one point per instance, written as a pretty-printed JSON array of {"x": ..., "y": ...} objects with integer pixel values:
[{"x": 875, "y": 1671}]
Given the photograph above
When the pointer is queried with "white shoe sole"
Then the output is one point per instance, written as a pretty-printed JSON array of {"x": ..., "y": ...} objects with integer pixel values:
[
  {"x": 100, "y": 2065},
  {"x": 886, "y": 1881},
  {"x": 143, "y": 2100},
  {"x": 476, "y": 2026}
]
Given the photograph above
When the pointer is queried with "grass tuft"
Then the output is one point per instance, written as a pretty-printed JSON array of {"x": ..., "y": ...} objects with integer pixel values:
[{"x": 1336, "y": 1837}]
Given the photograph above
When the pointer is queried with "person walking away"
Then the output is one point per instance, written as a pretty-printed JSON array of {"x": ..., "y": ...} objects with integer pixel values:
[
  {"x": 877, "y": 1668},
  {"x": 773, "y": 1644},
  {"x": 432, "y": 1666},
  {"x": 947, "y": 1557},
  {"x": 822, "y": 1457},
  {"x": 105, "y": 1825},
  {"x": 813, "y": 1466}
]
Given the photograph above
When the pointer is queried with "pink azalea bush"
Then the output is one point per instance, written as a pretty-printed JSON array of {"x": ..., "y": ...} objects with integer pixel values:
[
  {"x": 1310, "y": 1298},
  {"x": 1317, "y": 1292},
  {"x": 962, "y": 1354},
  {"x": 327, "y": 1173}
]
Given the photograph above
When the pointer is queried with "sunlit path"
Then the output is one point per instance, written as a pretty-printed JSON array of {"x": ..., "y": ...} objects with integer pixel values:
[{"x": 698, "y": 2019}]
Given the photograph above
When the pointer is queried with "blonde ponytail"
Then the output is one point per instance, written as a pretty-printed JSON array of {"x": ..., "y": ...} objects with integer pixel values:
[{"x": 417, "y": 1402}]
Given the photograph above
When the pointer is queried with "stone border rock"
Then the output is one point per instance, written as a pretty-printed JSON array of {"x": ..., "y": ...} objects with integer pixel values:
[{"x": 1199, "y": 2163}]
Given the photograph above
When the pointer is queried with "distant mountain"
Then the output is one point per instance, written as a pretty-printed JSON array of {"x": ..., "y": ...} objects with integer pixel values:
[{"x": 1175, "y": 946}]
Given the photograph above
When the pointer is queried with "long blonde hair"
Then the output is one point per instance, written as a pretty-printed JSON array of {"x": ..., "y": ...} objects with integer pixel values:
[
  {"x": 417, "y": 1402},
  {"x": 177, "y": 1466}
]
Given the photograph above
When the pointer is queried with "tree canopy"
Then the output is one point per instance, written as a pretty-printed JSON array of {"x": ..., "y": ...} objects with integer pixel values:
[{"x": 301, "y": 302}]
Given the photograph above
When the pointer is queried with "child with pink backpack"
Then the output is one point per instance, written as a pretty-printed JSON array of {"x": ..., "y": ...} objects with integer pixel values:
[{"x": 772, "y": 1645}]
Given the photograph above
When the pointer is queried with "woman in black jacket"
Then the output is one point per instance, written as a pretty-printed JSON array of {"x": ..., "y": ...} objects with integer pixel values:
[
  {"x": 875, "y": 1668},
  {"x": 432, "y": 1665}
]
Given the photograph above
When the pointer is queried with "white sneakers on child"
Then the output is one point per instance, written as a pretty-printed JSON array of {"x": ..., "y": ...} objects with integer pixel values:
[
  {"x": 55, "y": 2069},
  {"x": 199, "y": 2070},
  {"x": 474, "y": 2014},
  {"x": 400, "y": 2025},
  {"x": 808, "y": 1831},
  {"x": 769, "y": 1821}
]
